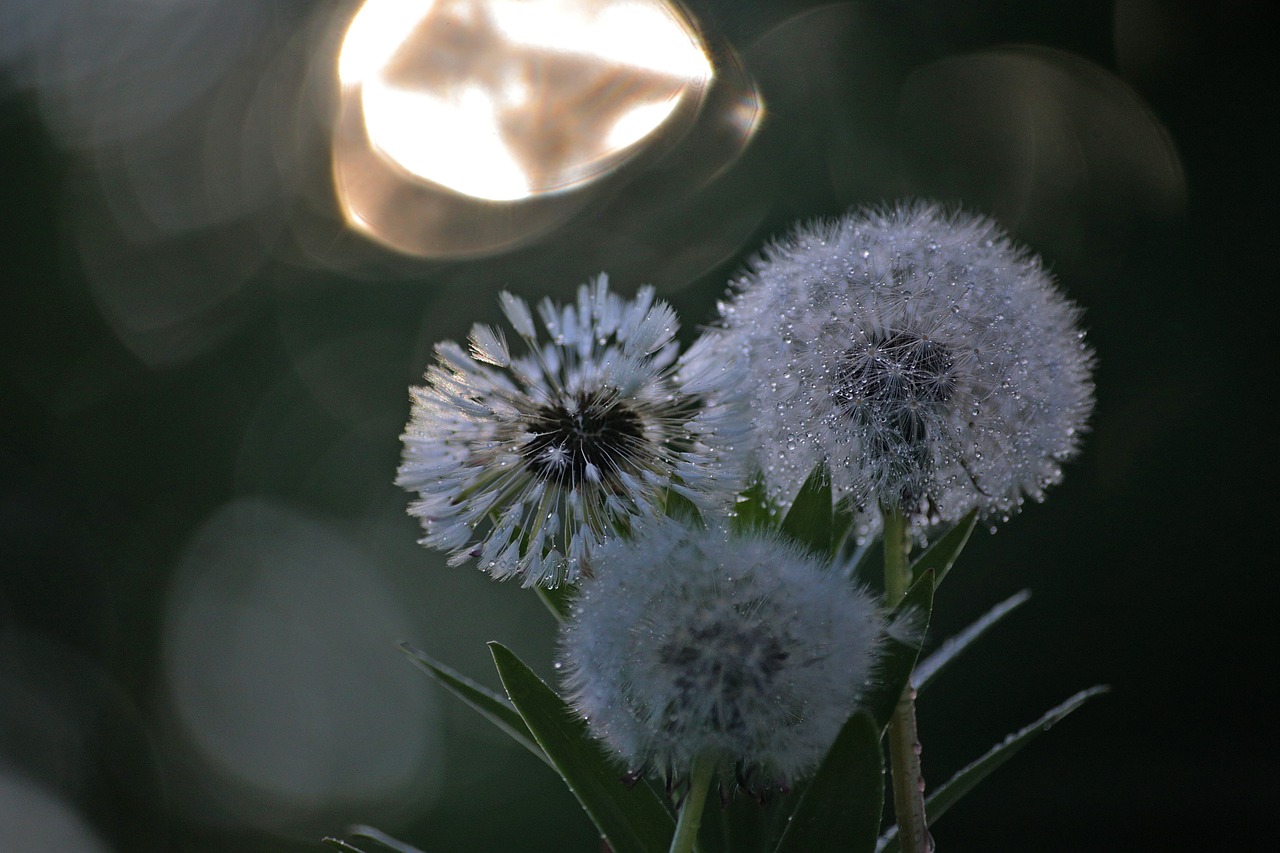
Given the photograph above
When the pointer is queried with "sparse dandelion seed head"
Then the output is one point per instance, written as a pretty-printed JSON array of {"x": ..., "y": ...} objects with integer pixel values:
[
  {"x": 528, "y": 462},
  {"x": 927, "y": 359},
  {"x": 692, "y": 642}
]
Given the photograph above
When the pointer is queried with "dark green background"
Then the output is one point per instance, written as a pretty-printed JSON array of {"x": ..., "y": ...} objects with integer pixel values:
[{"x": 1149, "y": 564}]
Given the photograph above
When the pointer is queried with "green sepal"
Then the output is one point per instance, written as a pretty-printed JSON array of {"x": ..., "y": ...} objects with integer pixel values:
[
  {"x": 490, "y": 705},
  {"x": 898, "y": 659},
  {"x": 928, "y": 669},
  {"x": 753, "y": 509},
  {"x": 810, "y": 519},
  {"x": 632, "y": 819},
  {"x": 938, "y": 803},
  {"x": 941, "y": 555},
  {"x": 840, "y": 810}
]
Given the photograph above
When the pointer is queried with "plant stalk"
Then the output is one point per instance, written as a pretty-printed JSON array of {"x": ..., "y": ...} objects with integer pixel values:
[
  {"x": 691, "y": 811},
  {"x": 904, "y": 742}
]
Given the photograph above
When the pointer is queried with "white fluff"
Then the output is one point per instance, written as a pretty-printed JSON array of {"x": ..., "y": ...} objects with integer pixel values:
[
  {"x": 693, "y": 642},
  {"x": 928, "y": 360},
  {"x": 530, "y": 462}
]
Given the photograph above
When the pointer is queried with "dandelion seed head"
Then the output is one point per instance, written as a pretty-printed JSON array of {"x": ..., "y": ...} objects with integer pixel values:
[
  {"x": 692, "y": 642},
  {"x": 528, "y": 462},
  {"x": 929, "y": 361}
]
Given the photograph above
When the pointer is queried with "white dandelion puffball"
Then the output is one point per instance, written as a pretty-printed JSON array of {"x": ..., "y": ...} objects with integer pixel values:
[
  {"x": 705, "y": 642},
  {"x": 528, "y": 463},
  {"x": 929, "y": 361}
]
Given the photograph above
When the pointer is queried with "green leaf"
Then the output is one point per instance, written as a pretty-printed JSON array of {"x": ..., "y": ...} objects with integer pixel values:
[
  {"x": 368, "y": 833},
  {"x": 753, "y": 510},
  {"x": 559, "y": 600},
  {"x": 491, "y": 706},
  {"x": 841, "y": 525},
  {"x": 840, "y": 810},
  {"x": 941, "y": 555},
  {"x": 339, "y": 844},
  {"x": 744, "y": 825},
  {"x": 899, "y": 658},
  {"x": 937, "y": 804},
  {"x": 929, "y": 668},
  {"x": 633, "y": 819},
  {"x": 809, "y": 521},
  {"x": 682, "y": 509},
  {"x": 866, "y": 566}
]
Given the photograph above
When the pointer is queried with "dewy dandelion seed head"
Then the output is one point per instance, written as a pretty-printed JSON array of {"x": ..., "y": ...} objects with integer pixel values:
[
  {"x": 705, "y": 642},
  {"x": 928, "y": 360},
  {"x": 529, "y": 462}
]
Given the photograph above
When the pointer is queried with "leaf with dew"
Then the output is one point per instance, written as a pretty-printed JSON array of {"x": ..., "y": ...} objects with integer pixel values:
[
  {"x": 942, "y": 555},
  {"x": 810, "y": 519},
  {"x": 840, "y": 810},
  {"x": 632, "y": 819},
  {"x": 938, "y": 803},
  {"x": 951, "y": 648},
  {"x": 490, "y": 705},
  {"x": 899, "y": 656}
]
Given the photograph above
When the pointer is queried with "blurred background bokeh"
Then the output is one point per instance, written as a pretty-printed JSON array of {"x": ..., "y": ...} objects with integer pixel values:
[{"x": 225, "y": 254}]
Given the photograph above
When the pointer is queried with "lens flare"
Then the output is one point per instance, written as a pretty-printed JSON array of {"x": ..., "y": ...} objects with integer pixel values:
[{"x": 453, "y": 110}]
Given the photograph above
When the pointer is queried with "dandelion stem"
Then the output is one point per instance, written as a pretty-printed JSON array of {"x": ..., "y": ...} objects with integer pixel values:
[
  {"x": 691, "y": 811},
  {"x": 897, "y": 570},
  {"x": 904, "y": 742}
]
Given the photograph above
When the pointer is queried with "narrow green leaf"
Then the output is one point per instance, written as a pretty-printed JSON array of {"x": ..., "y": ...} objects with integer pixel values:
[
  {"x": 865, "y": 565},
  {"x": 339, "y": 844},
  {"x": 840, "y": 810},
  {"x": 809, "y": 521},
  {"x": 753, "y": 510},
  {"x": 898, "y": 657},
  {"x": 490, "y": 705},
  {"x": 929, "y": 668},
  {"x": 941, "y": 555},
  {"x": 744, "y": 825},
  {"x": 938, "y": 803},
  {"x": 368, "y": 833},
  {"x": 633, "y": 819},
  {"x": 558, "y": 600},
  {"x": 841, "y": 524}
]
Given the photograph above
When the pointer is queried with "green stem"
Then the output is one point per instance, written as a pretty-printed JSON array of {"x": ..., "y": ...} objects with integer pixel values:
[
  {"x": 897, "y": 570},
  {"x": 691, "y": 811},
  {"x": 904, "y": 742}
]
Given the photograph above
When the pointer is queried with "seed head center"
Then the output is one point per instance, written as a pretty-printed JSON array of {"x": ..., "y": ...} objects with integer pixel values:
[
  {"x": 728, "y": 662},
  {"x": 889, "y": 380},
  {"x": 589, "y": 436}
]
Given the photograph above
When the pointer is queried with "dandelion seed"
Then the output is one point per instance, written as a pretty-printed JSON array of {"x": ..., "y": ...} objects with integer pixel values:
[
  {"x": 704, "y": 642},
  {"x": 931, "y": 362},
  {"x": 529, "y": 463}
]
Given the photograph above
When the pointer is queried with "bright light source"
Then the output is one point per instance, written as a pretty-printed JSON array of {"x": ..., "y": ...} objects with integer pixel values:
[{"x": 503, "y": 100}]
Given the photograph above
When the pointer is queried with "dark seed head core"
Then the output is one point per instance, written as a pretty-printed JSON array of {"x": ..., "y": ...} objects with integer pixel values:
[
  {"x": 727, "y": 661},
  {"x": 894, "y": 371},
  {"x": 598, "y": 431},
  {"x": 887, "y": 383}
]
